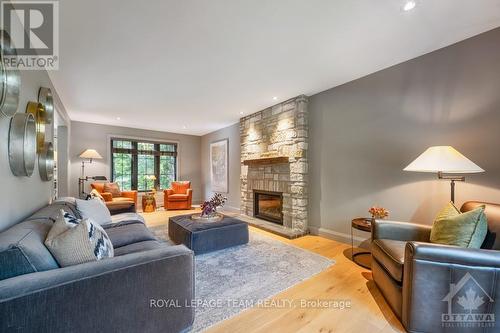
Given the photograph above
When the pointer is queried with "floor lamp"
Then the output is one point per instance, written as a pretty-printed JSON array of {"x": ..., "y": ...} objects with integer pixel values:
[
  {"x": 87, "y": 156},
  {"x": 447, "y": 162}
]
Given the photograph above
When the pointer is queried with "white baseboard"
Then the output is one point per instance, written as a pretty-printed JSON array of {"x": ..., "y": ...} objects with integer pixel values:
[{"x": 336, "y": 236}]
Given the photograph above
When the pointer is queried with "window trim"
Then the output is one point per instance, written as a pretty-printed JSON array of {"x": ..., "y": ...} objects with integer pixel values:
[{"x": 109, "y": 152}]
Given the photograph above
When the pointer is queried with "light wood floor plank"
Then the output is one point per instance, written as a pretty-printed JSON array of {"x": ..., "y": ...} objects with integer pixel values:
[{"x": 343, "y": 281}]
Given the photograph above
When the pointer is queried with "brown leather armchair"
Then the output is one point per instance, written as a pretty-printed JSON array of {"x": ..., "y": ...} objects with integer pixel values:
[
  {"x": 125, "y": 203},
  {"x": 422, "y": 281},
  {"x": 180, "y": 196}
]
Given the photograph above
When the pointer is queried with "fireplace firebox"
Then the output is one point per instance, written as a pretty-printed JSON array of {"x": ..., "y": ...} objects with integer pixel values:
[{"x": 268, "y": 206}]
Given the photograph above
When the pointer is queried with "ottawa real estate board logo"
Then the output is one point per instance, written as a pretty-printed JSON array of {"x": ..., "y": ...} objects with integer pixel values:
[
  {"x": 30, "y": 34},
  {"x": 469, "y": 305}
]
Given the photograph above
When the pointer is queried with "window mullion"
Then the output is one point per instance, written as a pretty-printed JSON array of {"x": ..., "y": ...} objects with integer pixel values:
[
  {"x": 134, "y": 166},
  {"x": 157, "y": 165}
]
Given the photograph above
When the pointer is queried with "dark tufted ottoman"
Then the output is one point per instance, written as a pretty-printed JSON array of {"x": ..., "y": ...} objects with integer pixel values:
[{"x": 202, "y": 237}]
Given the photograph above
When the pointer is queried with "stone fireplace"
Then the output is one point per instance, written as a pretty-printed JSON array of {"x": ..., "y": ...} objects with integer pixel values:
[{"x": 274, "y": 184}]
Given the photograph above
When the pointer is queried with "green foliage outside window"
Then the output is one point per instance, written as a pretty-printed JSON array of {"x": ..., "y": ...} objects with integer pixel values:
[{"x": 143, "y": 165}]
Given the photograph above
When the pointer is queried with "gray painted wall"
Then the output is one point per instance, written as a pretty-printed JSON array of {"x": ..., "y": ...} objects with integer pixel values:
[
  {"x": 233, "y": 134},
  {"x": 21, "y": 196},
  {"x": 62, "y": 161},
  {"x": 86, "y": 135},
  {"x": 365, "y": 132}
]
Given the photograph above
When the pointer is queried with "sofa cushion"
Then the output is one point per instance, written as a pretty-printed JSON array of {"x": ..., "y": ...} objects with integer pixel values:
[
  {"x": 178, "y": 197},
  {"x": 14, "y": 263},
  {"x": 181, "y": 187},
  {"x": 52, "y": 211},
  {"x": 138, "y": 247},
  {"x": 94, "y": 209},
  {"x": 119, "y": 204},
  {"x": 122, "y": 234},
  {"x": 22, "y": 250},
  {"x": 117, "y": 207},
  {"x": 124, "y": 217},
  {"x": 123, "y": 200},
  {"x": 390, "y": 254}
]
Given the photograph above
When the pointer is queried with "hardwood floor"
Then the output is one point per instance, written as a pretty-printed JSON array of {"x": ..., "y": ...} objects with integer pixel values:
[{"x": 343, "y": 281}]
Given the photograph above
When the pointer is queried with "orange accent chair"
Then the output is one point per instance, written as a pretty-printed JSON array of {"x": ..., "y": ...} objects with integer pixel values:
[
  {"x": 180, "y": 196},
  {"x": 117, "y": 204}
]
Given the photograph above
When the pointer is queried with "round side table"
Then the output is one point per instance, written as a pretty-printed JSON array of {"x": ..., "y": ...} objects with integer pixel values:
[
  {"x": 363, "y": 224},
  {"x": 148, "y": 203}
]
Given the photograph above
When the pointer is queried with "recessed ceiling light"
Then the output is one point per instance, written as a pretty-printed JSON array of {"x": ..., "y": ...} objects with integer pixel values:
[
  {"x": 241, "y": 113},
  {"x": 409, "y": 5},
  {"x": 275, "y": 98},
  {"x": 184, "y": 127},
  {"x": 118, "y": 118}
]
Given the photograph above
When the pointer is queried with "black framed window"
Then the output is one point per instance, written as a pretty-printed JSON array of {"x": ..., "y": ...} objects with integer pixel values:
[{"x": 143, "y": 165}]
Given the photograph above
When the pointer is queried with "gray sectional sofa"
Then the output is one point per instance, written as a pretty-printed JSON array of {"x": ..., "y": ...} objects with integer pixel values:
[{"x": 119, "y": 294}]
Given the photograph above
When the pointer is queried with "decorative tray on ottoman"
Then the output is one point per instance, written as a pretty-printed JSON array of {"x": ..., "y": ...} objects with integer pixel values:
[{"x": 215, "y": 218}]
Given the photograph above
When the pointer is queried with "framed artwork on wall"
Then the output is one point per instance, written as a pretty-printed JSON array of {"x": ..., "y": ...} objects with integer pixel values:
[{"x": 219, "y": 171}]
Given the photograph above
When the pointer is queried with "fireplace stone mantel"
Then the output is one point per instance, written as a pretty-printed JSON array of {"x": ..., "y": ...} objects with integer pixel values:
[
  {"x": 274, "y": 145},
  {"x": 267, "y": 160}
]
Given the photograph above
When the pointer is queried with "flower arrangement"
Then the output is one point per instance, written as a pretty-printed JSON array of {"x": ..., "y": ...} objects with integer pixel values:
[
  {"x": 378, "y": 212},
  {"x": 209, "y": 207}
]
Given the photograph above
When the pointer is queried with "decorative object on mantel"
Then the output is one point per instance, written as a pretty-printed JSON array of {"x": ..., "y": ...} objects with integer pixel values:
[
  {"x": 219, "y": 172},
  {"x": 22, "y": 144},
  {"x": 10, "y": 80},
  {"x": 38, "y": 112},
  {"x": 209, "y": 209},
  {"x": 87, "y": 156},
  {"x": 378, "y": 212},
  {"x": 46, "y": 162},
  {"x": 444, "y": 160},
  {"x": 45, "y": 98}
]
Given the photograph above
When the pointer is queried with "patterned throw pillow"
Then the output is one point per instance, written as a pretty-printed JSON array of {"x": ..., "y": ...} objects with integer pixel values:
[
  {"x": 113, "y": 188},
  {"x": 94, "y": 194},
  {"x": 73, "y": 241}
]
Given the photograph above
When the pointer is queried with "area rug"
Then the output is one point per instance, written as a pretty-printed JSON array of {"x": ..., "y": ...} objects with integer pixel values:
[{"x": 231, "y": 280}]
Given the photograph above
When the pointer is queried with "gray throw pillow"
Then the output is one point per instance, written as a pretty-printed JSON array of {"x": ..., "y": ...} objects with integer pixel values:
[
  {"x": 73, "y": 241},
  {"x": 94, "y": 209}
]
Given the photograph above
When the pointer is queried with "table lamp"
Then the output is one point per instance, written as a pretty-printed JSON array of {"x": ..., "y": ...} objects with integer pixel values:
[{"x": 447, "y": 162}]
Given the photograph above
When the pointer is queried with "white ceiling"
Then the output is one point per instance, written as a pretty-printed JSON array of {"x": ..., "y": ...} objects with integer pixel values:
[{"x": 164, "y": 65}]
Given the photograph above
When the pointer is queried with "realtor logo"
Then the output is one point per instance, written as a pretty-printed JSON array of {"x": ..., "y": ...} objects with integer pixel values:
[
  {"x": 33, "y": 27},
  {"x": 469, "y": 305}
]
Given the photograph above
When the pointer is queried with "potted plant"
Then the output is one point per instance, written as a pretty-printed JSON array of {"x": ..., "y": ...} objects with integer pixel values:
[{"x": 209, "y": 209}]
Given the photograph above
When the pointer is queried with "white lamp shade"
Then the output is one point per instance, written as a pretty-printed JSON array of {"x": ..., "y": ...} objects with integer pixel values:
[
  {"x": 90, "y": 154},
  {"x": 445, "y": 159}
]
